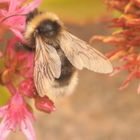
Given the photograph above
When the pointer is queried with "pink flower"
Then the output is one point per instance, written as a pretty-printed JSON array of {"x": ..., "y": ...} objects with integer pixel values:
[
  {"x": 16, "y": 115},
  {"x": 21, "y": 62},
  {"x": 17, "y": 23},
  {"x": 126, "y": 39},
  {"x": 27, "y": 88}
]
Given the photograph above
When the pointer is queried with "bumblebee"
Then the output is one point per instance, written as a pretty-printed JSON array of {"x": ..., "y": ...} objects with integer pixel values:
[{"x": 58, "y": 55}]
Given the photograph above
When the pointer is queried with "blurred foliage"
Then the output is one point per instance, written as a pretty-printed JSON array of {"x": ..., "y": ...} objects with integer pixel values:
[
  {"x": 4, "y": 95},
  {"x": 75, "y": 11}
]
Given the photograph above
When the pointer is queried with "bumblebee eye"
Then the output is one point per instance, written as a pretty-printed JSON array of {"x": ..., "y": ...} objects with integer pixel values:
[{"x": 48, "y": 28}]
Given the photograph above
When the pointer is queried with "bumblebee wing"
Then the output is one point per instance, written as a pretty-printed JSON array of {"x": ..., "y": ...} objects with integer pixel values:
[
  {"x": 47, "y": 59},
  {"x": 47, "y": 66},
  {"x": 82, "y": 55}
]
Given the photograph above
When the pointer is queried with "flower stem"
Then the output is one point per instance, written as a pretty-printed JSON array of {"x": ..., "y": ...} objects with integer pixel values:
[{"x": 11, "y": 88}]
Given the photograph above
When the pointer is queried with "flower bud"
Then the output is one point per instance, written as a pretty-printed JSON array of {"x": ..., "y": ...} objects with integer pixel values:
[{"x": 44, "y": 104}]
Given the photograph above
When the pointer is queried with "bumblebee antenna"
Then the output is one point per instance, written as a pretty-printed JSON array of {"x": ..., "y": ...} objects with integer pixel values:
[{"x": 12, "y": 16}]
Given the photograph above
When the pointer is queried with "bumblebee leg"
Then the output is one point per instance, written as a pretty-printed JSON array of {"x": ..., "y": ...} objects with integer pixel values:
[{"x": 23, "y": 47}]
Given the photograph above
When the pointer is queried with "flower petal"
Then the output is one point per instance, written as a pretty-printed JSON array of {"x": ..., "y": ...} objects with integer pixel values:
[
  {"x": 3, "y": 12},
  {"x": 4, "y": 131},
  {"x": 12, "y": 6},
  {"x": 3, "y": 110},
  {"x": 17, "y": 33},
  {"x": 3, "y": 1},
  {"x": 30, "y": 7},
  {"x": 138, "y": 89},
  {"x": 27, "y": 129}
]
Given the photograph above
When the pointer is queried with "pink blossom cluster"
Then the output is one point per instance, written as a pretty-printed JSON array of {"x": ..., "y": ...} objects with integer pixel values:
[
  {"x": 125, "y": 38},
  {"x": 16, "y": 72}
]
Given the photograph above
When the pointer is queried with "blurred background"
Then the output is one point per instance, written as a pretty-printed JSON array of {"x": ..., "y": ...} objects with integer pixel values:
[{"x": 97, "y": 110}]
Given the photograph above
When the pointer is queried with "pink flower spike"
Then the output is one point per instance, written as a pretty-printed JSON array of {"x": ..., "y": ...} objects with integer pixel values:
[
  {"x": 17, "y": 7},
  {"x": 16, "y": 115}
]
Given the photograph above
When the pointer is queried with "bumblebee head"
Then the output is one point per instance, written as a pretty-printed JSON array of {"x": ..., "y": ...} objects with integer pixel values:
[
  {"x": 44, "y": 24},
  {"x": 48, "y": 28}
]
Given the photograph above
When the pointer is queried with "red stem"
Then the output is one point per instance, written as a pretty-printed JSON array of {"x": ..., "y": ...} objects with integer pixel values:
[{"x": 11, "y": 88}]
